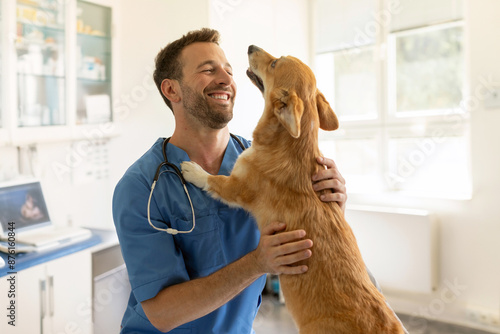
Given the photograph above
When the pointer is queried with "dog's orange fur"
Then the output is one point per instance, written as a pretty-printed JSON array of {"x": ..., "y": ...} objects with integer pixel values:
[{"x": 272, "y": 180}]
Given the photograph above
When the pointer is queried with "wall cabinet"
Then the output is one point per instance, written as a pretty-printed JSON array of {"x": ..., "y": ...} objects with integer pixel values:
[
  {"x": 52, "y": 298},
  {"x": 56, "y": 68},
  {"x": 39, "y": 44},
  {"x": 94, "y": 63}
]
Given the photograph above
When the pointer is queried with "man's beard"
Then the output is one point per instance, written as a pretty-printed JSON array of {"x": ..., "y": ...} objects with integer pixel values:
[{"x": 197, "y": 107}]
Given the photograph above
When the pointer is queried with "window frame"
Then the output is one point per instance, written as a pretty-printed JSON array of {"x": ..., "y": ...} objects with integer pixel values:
[{"x": 387, "y": 125}]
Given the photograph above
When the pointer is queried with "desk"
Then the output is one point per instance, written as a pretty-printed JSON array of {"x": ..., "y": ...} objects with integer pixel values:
[
  {"x": 54, "y": 288},
  {"x": 27, "y": 260}
]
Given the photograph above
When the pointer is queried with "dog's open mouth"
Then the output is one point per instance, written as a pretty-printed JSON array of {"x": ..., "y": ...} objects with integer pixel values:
[{"x": 256, "y": 80}]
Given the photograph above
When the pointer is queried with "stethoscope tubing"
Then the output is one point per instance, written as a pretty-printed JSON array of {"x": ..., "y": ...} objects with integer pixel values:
[{"x": 176, "y": 170}]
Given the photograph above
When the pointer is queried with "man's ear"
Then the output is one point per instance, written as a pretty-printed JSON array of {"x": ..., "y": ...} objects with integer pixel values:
[
  {"x": 170, "y": 89},
  {"x": 327, "y": 119},
  {"x": 288, "y": 108}
]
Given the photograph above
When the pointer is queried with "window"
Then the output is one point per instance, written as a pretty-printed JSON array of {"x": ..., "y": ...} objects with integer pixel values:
[
  {"x": 427, "y": 70},
  {"x": 395, "y": 76},
  {"x": 355, "y": 84}
]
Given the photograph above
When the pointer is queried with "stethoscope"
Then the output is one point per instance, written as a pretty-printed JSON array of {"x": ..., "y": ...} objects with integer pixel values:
[{"x": 176, "y": 170}]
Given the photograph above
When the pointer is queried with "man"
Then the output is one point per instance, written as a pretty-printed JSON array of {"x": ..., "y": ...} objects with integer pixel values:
[{"x": 207, "y": 278}]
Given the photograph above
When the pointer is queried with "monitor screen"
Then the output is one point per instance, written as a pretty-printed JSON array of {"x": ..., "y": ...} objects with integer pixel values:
[{"x": 24, "y": 205}]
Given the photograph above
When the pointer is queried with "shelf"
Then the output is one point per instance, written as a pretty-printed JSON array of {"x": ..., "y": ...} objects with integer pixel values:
[
  {"x": 91, "y": 36},
  {"x": 97, "y": 81},
  {"x": 46, "y": 76},
  {"x": 24, "y": 46},
  {"x": 56, "y": 133},
  {"x": 40, "y": 134},
  {"x": 59, "y": 29},
  {"x": 96, "y": 131}
]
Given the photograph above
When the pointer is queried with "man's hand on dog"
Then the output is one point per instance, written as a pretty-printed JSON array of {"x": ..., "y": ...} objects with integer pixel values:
[
  {"x": 330, "y": 178},
  {"x": 278, "y": 253}
]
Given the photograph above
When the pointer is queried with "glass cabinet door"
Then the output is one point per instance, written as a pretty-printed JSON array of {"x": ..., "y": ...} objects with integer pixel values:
[
  {"x": 40, "y": 47},
  {"x": 93, "y": 99}
]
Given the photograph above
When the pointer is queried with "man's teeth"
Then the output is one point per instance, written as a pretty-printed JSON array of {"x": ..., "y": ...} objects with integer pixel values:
[{"x": 219, "y": 96}]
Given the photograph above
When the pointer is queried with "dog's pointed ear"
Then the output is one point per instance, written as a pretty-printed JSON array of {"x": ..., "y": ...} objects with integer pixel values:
[
  {"x": 288, "y": 108},
  {"x": 327, "y": 119}
]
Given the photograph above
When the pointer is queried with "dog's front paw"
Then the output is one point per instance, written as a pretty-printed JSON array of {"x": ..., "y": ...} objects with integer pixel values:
[{"x": 193, "y": 173}]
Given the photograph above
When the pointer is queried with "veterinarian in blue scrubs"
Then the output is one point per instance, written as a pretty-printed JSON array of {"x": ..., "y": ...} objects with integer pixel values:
[{"x": 208, "y": 277}]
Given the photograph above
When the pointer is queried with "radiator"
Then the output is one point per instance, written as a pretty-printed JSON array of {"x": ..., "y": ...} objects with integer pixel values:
[{"x": 399, "y": 246}]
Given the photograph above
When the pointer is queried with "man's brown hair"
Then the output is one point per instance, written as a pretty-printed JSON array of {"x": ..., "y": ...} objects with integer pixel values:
[{"x": 168, "y": 64}]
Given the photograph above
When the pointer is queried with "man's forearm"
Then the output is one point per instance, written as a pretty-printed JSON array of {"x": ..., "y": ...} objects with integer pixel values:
[{"x": 188, "y": 301}]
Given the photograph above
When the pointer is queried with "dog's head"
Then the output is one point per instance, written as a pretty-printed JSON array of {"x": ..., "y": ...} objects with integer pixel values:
[{"x": 287, "y": 85}]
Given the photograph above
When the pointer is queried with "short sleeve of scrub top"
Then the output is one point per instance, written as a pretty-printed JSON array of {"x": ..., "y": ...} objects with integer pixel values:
[{"x": 156, "y": 260}]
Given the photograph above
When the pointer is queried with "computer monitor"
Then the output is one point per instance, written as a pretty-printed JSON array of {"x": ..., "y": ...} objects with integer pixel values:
[{"x": 24, "y": 206}]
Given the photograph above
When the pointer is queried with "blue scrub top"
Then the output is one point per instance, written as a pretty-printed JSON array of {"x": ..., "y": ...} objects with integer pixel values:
[{"x": 156, "y": 259}]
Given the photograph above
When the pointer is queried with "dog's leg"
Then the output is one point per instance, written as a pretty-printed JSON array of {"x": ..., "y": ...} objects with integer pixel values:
[{"x": 224, "y": 188}]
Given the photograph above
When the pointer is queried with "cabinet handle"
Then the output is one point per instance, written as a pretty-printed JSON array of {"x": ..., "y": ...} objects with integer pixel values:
[
  {"x": 42, "y": 290},
  {"x": 51, "y": 296}
]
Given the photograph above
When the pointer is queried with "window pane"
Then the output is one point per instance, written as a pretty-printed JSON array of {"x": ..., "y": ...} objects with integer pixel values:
[
  {"x": 407, "y": 14},
  {"x": 344, "y": 24},
  {"x": 429, "y": 166},
  {"x": 355, "y": 84},
  {"x": 357, "y": 160},
  {"x": 429, "y": 73}
]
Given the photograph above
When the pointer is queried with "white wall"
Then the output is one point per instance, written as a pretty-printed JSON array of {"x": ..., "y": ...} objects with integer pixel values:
[
  {"x": 144, "y": 28},
  {"x": 71, "y": 200}
]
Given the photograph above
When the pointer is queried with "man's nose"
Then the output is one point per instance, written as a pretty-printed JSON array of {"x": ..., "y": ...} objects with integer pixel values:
[{"x": 223, "y": 78}]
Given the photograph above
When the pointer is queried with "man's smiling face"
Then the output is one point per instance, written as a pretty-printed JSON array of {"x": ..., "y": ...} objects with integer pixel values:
[{"x": 207, "y": 85}]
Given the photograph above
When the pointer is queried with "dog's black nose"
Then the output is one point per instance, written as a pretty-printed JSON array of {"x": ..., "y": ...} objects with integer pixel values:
[{"x": 253, "y": 48}]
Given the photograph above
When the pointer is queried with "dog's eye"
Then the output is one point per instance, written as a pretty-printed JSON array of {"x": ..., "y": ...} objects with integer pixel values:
[{"x": 274, "y": 63}]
